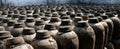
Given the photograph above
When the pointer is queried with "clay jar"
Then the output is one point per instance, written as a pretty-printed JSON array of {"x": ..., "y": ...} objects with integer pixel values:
[
  {"x": 76, "y": 19},
  {"x": 56, "y": 21},
  {"x": 67, "y": 38},
  {"x": 43, "y": 40},
  {"x": 99, "y": 32},
  {"x": 110, "y": 24},
  {"x": 2, "y": 45},
  {"x": 67, "y": 22},
  {"x": 17, "y": 29},
  {"x": 4, "y": 35},
  {"x": 15, "y": 17},
  {"x": 30, "y": 22},
  {"x": 116, "y": 23},
  {"x": 28, "y": 34},
  {"x": 52, "y": 29},
  {"x": 105, "y": 25},
  {"x": 17, "y": 43},
  {"x": 39, "y": 25},
  {"x": 4, "y": 22},
  {"x": 22, "y": 19},
  {"x": 2, "y": 28},
  {"x": 116, "y": 30},
  {"x": 46, "y": 20},
  {"x": 10, "y": 25},
  {"x": 36, "y": 17},
  {"x": 85, "y": 34},
  {"x": 110, "y": 45}
]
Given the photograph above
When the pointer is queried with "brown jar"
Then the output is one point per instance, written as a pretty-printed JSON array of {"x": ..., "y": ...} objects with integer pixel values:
[
  {"x": 105, "y": 25},
  {"x": 67, "y": 38},
  {"x": 85, "y": 34},
  {"x": 110, "y": 24},
  {"x": 99, "y": 32}
]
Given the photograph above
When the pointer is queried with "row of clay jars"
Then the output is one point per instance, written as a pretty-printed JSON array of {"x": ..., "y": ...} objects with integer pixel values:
[
  {"x": 26, "y": 35},
  {"x": 65, "y": 21},
  {"x": 115, "y": 35},
  {"x": 107, "y": 25},
  {"x": 42, "y": 40},
  {"x": 103, "y": 32}
]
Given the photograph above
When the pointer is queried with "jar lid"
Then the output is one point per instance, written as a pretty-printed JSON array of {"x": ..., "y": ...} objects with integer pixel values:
[
  {"x": 76, "y": 19},
  {"x": 30, "y": 19},
  {"x": 5, "y": 34},
  {"x": 28, "y": 31},
  {"x": 36, "y": 16},
  {"x": 39, "y": 22},
  {"x": 104, "y": 16},
  {"x": 65, "y": 29},
  {"x": 66, "y": 22},
  {"x": 42, "y": 34},
  {"x": 15, "y": 41},
  {"x": 55, "y": 19},
  {"x": 22, "y": 17},
  {"x": 19, "y": 25},
  {"x": 50, "y": 26},
  {"x": 65, "y": 17},
  {"x": 11, "y": 22},
  {"x": 82, "y": 24},
  {"x": 93, "y": 20}
]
